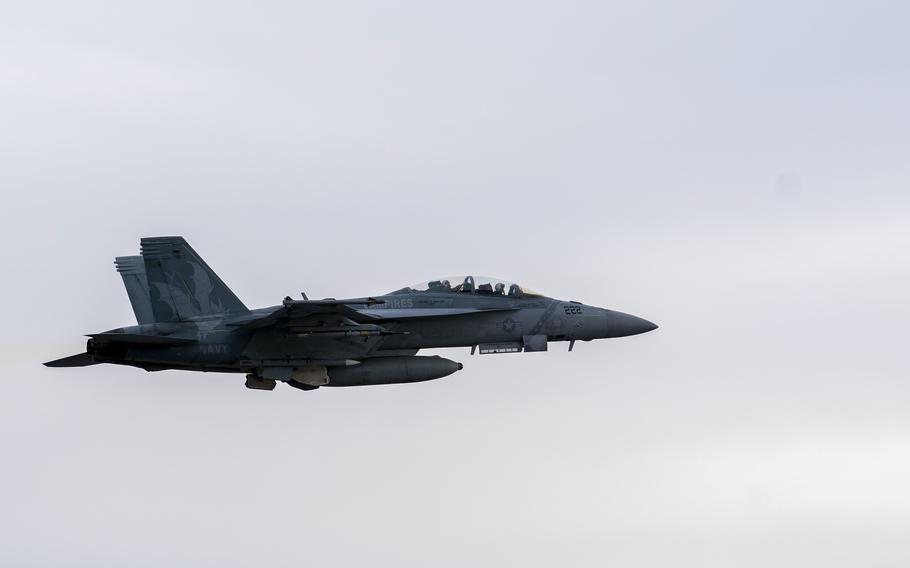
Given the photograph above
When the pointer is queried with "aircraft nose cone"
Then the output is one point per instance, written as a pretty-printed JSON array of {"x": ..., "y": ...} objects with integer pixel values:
[{"x": 622, "y": 325}]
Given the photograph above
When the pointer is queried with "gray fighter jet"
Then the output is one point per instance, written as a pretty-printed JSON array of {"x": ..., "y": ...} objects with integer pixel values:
[{"x": 189, "y": 319}]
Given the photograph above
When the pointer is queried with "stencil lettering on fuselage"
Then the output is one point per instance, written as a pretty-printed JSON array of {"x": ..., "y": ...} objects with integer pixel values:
[{"x": 394, "y": 303}]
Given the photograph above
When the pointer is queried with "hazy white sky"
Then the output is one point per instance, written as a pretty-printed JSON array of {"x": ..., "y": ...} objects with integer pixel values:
[{"x": 736, "y": 172}]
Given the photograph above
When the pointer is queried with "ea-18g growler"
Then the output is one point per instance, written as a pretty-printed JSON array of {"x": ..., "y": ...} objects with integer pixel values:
[{"x": 189, "y": 319}]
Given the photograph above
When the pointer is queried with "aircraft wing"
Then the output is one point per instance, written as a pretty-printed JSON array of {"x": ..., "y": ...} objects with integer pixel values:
[
  {"x": 138, "y": 339},
  {"x": 389, "y": 314},
  {"x": 304, "y": 311}
]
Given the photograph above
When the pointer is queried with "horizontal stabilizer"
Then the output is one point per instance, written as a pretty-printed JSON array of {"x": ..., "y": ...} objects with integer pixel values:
[
  {"x": 80, "y": 360},
  {"x": 139, "y": 339}
]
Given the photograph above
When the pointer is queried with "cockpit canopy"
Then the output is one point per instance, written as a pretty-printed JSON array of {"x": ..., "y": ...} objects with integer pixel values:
[{"x": 481, "y": 285}]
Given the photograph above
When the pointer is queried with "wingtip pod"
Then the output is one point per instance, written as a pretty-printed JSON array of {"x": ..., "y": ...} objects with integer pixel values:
[{"x": 80, "y": 360}]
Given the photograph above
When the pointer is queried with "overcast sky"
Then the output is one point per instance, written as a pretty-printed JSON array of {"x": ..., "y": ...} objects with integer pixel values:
[{"x": 736, "y": 172}]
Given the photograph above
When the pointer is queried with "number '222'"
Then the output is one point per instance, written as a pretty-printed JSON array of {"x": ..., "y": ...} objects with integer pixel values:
[{"x": 572, "y": 310}]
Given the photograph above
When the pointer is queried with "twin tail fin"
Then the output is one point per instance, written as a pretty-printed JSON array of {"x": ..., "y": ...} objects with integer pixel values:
[{"x": 181, "y": 286}]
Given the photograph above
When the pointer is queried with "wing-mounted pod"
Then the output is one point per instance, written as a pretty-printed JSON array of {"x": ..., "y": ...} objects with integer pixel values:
[{"x": 375, "y": 371}]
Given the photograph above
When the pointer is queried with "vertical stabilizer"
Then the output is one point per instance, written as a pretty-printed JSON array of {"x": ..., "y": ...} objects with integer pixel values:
[
  {"x": 132, "y": 270},
  {"x": 181, "y": 284}
]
